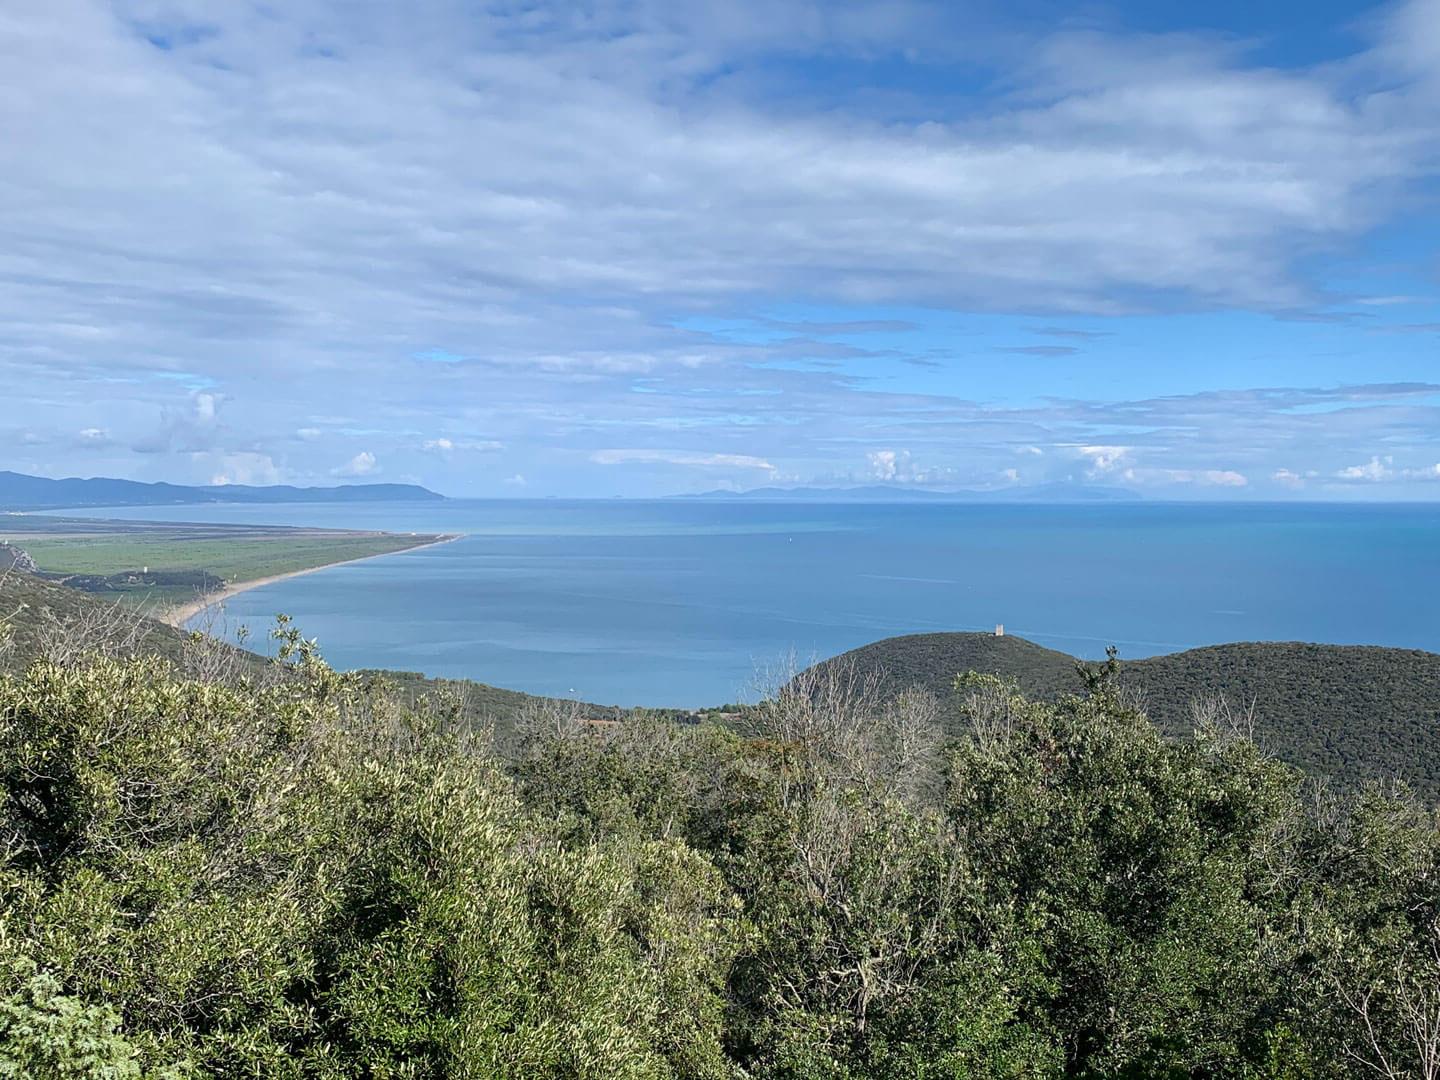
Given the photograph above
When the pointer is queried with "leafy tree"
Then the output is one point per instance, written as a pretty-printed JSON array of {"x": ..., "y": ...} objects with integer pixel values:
[{"x": 1149, "y": 874}]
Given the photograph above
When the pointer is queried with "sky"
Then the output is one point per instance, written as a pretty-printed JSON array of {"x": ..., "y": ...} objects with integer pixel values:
[{"x": 647, "y": 247}]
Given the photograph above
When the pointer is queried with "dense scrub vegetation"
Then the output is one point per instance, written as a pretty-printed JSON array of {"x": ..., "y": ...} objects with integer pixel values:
[
  {"x": 1349, "y": 713},
  {"x": 40, "y": 619},
  {"x": 275, "y": 871}
]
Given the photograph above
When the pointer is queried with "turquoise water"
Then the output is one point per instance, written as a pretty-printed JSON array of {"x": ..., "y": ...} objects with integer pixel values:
[{"x": 679, "y": 603}]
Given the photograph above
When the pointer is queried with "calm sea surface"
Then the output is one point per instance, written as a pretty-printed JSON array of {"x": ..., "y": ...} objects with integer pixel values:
[{"x": 679, "y": 603}]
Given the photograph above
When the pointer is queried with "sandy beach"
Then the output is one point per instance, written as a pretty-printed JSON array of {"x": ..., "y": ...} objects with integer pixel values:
[{"x": 180, "y": 614}]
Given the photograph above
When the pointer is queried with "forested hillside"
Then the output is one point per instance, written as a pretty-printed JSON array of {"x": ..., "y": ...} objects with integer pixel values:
[
  {"x": 40, "y": 620},
  {"x": 1350, "y": 713},
  {"x": 297, "y": 873}
]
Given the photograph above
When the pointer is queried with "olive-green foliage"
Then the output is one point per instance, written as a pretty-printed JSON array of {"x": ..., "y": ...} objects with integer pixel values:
[
  {"x": 1077, "y": 896},
  {"x": 1372, "y": 878},
  {"x": 304, "y": 880},
  {"x": 1351, "y": 713},
  {"x": 311, "y": 875},
  {"x": 36, "y": 616}
]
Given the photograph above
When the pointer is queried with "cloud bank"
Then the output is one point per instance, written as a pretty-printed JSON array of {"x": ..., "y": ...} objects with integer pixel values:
[{"x": 261, "y": 241}]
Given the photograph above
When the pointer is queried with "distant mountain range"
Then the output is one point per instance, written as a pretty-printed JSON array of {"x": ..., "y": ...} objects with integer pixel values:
[
  {"x": 21, "y": 492},
  {"x": 888, "y": 493}
]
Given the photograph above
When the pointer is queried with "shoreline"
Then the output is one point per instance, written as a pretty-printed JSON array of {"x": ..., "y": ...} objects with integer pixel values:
[{"x": 178, "y": 615}]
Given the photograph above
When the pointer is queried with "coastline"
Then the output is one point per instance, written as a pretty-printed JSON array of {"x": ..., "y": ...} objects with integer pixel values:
[{"x": 178, "y": 615}]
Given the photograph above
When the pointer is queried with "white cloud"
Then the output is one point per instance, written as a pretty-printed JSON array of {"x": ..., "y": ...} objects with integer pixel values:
[
  {"x": 1220, "y": 478},
  {"x": 1380, "y": 470},
  {"x": 362, "y": 464},
  {"x": 1105, "y": 459},
  {"x": 444, "y": 445},
  {"x": 680, "y": 457},
  {"x": 476, "y": 229},
  {"x": 1373, "y": 471},
  {"x": 1424, "y": 472},
  {"x": 1226, "y": 478},
  {"x": 889, "y": 464},
  {"x": 1288, "y": 478},
  {"x": 246, "y": 468},
  {"x": 514, "y": 481},
  {"x": 191, "y": 426},
  {"x": 603, "y": 156},
  {"x": 900, "y": 467}
]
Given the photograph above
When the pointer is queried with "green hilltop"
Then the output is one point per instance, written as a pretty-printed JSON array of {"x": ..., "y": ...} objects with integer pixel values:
[{"x": 1346, "y": 712}]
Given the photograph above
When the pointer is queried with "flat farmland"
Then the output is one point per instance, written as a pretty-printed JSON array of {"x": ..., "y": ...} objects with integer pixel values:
[{"x": 167, "y": 564}]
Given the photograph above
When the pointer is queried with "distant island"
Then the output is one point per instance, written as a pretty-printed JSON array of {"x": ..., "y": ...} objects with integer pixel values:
[
  {"x": 21, "y": 492},
  {"x": 1059, "y": 492}
]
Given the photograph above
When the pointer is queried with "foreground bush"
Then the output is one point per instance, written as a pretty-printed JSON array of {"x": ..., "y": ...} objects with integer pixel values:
[
  {"x": 303, "y": 876},
  {"x": 306, "y": 881}
]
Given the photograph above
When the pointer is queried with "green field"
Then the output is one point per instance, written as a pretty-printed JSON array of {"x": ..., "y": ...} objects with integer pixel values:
[{"x": 169, "y": 564}]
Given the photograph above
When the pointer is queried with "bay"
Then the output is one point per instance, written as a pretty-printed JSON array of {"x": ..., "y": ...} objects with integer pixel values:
[{"x": 682, "y": 603}]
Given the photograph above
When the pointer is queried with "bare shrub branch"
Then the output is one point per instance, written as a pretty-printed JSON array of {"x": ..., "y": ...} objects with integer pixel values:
[
  {"x": 1400, "y": 1017},
  {"x": 101, "y": 629},
  {"x": 1217, "y": 717}
]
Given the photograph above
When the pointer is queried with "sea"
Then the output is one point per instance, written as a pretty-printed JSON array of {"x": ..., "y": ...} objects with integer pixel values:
[{"x": 685, "y": 603}]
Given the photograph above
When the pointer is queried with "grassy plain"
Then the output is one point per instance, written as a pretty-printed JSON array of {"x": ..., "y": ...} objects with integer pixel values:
[{"x": 160, "y": 564}]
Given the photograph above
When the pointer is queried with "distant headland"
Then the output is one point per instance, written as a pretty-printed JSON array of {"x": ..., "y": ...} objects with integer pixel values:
[{"x": 21, "y": 492}]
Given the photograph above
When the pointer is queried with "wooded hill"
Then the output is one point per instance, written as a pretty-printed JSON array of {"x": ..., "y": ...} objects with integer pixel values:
[
  {"x": 41, "y": 617},
  {"x": 1346, "y": 712}
]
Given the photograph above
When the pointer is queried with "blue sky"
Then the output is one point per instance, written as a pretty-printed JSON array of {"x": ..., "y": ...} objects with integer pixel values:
[{"x": 640, "y": 248}]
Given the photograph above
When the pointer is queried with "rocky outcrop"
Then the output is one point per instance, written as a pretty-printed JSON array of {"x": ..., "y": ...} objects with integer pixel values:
[{"x": 16, "y": 558}]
